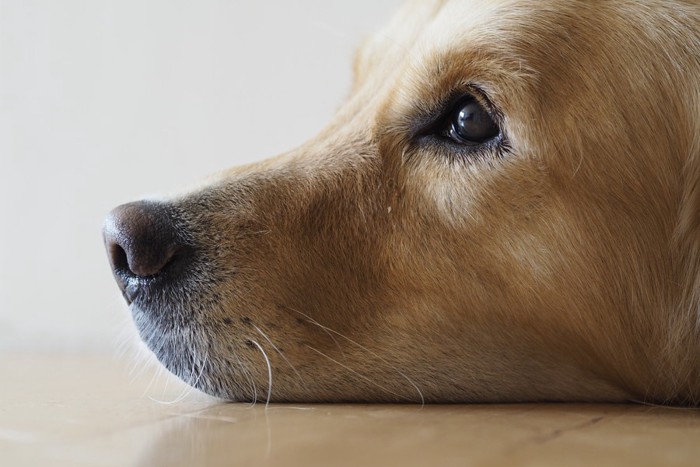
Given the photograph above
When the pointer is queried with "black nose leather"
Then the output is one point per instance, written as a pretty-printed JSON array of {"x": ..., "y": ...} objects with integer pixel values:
[{"x": 141, "y": 241}]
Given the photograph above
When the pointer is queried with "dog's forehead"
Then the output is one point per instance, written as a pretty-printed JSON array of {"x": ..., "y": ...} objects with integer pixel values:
[
  {"x": 432, "y": 44},
  {"x": 467, "y": 21},
  {"x": 429, "y": 27},
  {"x": 433, "y": 47}
]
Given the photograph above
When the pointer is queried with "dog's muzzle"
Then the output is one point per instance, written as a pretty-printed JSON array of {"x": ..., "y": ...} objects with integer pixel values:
[{"x": 146, "y": 249}]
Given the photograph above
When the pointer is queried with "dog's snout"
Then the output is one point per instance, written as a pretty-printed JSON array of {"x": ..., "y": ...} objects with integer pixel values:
[{"x": 141, "y": 240}]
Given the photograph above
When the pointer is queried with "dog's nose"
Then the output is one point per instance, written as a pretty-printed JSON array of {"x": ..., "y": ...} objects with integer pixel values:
[{"x": 141, "y": 241}]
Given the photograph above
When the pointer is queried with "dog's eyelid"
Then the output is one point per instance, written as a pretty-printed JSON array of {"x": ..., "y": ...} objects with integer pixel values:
[{"x": 430, "y": 118}]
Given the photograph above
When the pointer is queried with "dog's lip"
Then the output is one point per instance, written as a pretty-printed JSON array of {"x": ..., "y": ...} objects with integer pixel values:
[
  {"x": 130, "y": 287},
  {"x": 131, "y": 291}
]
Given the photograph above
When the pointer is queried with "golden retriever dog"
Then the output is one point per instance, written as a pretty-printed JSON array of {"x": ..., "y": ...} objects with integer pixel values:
[{"x": 507, "y": 208}]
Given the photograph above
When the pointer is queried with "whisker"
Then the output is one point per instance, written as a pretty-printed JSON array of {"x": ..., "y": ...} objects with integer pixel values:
[
  {"x": 157, "y": 373},
  {"x": 281, "y": 354},
  {"x": 662, "y": 406},
  {"x": 358, "y": 374},
  {"x": 140, "y": 358},
  {"x": 410, "y": 381},
  {"x": 136, "y": 368},
  {"x": 167, "y": 383},
  {"x": 269, "y": 372},
  {"x": 250, "y": 378},
  {"x": 191, "y": 385},
  {"x": 324, "y": 329}
]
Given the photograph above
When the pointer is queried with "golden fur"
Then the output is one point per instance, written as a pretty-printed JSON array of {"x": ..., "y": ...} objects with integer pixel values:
[{"x": 371, "y": 265}]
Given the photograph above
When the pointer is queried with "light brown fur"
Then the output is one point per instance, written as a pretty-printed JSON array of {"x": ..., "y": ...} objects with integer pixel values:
[{"x": 371, "y": 266}]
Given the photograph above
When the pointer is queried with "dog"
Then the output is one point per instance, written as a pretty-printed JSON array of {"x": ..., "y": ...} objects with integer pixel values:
[{"x": 505, "y": 209}]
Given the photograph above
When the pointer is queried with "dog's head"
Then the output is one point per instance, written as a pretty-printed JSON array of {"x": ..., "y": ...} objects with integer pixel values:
[{"x": 506, "y": 208}]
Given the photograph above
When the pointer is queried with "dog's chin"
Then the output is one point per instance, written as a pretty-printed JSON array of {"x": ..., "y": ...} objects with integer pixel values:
[{"x": 183, "y": 349}]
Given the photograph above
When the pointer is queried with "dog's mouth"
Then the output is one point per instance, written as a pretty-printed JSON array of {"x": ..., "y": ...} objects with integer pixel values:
[
  {"x": 214, "y": 356},
  {"x": 166, "y": 283},
  {"x": 174, "y": 324}
]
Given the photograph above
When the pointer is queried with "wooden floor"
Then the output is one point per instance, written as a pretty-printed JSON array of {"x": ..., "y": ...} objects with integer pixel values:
[{"x": 78, "y": 411}]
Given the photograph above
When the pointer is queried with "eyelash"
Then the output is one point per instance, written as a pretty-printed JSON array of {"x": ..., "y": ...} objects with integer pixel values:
[{"x": 448, "y": 149}]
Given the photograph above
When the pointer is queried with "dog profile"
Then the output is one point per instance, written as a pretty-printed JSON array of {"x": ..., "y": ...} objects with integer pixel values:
[{"x": 506, "y": 208}]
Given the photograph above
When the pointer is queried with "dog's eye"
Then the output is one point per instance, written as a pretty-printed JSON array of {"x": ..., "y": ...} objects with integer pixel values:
[{"x": 471, "y": 124}]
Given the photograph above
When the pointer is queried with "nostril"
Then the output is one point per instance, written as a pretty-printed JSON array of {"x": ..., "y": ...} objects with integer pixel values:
[
  {"x": 141, "y": 240},
  {"x": 151, "y": 260},
  {"x": 117, "y": 256}
]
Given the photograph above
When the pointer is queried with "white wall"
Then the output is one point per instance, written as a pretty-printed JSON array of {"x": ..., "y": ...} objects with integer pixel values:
[{"x": 103, "y": 101}]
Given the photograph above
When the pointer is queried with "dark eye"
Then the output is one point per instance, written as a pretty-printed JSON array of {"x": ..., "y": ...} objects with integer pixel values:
[{"x": 471, "y": 124}]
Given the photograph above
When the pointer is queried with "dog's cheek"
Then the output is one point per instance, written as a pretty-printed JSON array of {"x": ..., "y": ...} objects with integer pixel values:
[{"x": 281, "y": 254}]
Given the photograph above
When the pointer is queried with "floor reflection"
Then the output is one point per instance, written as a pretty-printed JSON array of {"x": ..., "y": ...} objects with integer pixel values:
[{"x": 226, "y": 434}]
